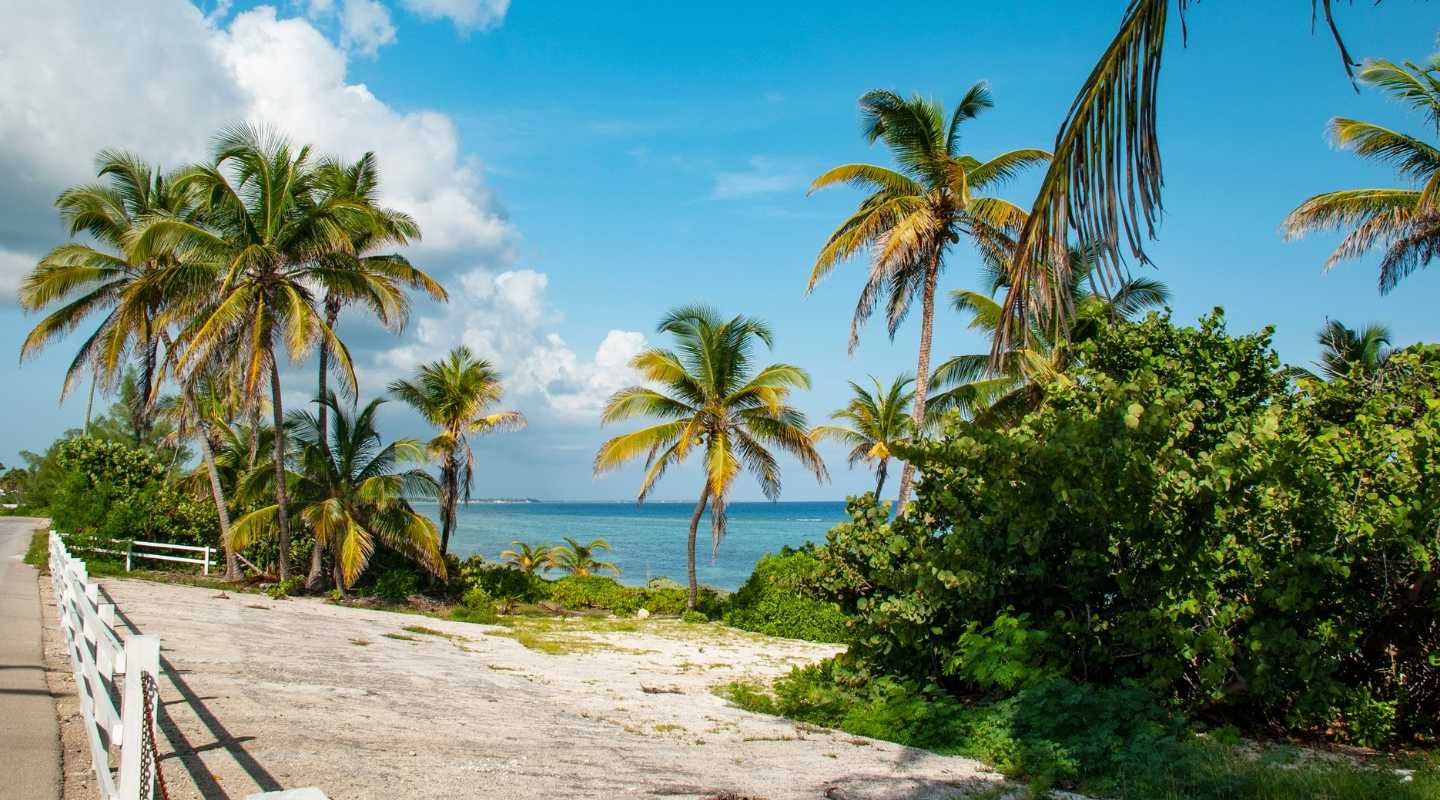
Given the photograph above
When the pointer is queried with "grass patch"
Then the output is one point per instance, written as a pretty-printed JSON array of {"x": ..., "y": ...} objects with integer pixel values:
[
  {"x": 403, "y": 637},
  {"x": 37, "y": 554},
  {"x": 424, "y": 631},
  {"x": 360, "y": 642},
  {"x": 1102, "y": 742}
]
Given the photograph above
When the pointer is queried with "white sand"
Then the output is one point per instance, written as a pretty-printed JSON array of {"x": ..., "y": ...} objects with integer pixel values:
[{"x": 280, "y": 695}]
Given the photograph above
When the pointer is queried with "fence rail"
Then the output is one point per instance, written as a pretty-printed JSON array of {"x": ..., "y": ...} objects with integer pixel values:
[
  {"x": 110, "y": 680},
  {"x": 130, "y": 552}
]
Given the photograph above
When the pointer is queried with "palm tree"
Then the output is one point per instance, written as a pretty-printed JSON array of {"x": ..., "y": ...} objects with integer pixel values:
[
  {"x": 362, "y": 276},
  {"x": 106, "y": 277},
  {"x": 455, "y": 394},
  {"x": 1405, "y": 223},
  {"x": 350, "y": 493},
  {"x": 579, "y": 559},
  {"x": 1344, "y": 352},
  {"x": 878, "y": 421},
  {"x": 253, "y": 266},
  {"x": 913, "y": 214},
  {"x": 528, "y": 558},
  {"x": 995, "y": 393},
  {"x": 711, "y": 398},
  {"x": 1104, "y": 182}
]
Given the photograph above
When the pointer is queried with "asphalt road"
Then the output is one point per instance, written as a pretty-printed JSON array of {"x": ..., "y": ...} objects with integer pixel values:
[{"x": 29, "y": 734}]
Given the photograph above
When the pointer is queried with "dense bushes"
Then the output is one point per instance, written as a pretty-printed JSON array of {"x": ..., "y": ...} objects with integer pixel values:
[
  {"x": 779, "y": 600},
  {"x": 661, "y": 598},
  {"x": 109, "y": 490},
  {"x": 1107, "y": 741},
  {"x": 1173, "y": 518}
]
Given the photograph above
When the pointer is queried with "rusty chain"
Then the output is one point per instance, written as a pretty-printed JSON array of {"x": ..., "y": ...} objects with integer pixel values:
[{"x": 149, "y": 751}]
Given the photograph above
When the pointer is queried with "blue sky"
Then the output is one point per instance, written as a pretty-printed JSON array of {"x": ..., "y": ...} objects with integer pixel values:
[{"x": 581, "y": 168}]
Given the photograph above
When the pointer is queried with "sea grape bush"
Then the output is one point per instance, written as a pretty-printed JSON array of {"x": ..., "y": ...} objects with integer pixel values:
[
  {"x": 1175, "y": 518},
  {"x": 781, "y": 598},
  {"x": 108, "y": 490}
]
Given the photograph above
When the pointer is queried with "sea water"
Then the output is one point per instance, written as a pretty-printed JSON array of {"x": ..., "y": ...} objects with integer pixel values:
[{"x": 646, "y": 541}]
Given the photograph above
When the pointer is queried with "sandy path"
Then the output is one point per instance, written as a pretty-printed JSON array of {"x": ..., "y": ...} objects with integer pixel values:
[{"x": 281, "y": 694}]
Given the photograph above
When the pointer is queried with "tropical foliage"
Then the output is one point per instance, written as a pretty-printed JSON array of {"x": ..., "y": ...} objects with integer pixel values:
[
  {"x": 980, "y": 387},
  {"x": 574, "y": 558},
  {"x": 455, "y": 394},
  {"x": 1344, "y": 352},
  {"x": 877, "y": 421},
  {"x": 1404, "y": 223},
  {"x": 713, "y": 400},
  {"x": 350, "y": 492},
  {"x": 913, "y": 214},
  {"x": 530, "y": 558},
  {"x": 1172, "y": 519}
]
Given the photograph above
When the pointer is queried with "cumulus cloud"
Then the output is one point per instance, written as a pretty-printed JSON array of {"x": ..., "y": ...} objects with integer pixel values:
[
  {"x": 467, "y": 15},
  {"x": 365, "y": 26},
  {"x": 503, "y": 317},
  {"x": 160, "y": 78},
  {"x": 764, "y": 176}
]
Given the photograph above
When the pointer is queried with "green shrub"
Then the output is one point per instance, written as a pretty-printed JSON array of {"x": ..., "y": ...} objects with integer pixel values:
[
  {"x": 1173, "y": 518},
  {"x": 395, "y": 585},
  {"x": 779, "y": 600},
  {"x": 500, "y": 581},
  {"x": 694, "y": 617},
  {"x": 108, "y": 490},
  {"x": 476, "y": 605},
  {"x": 285, "y": 588},
  {"x": 590, "y": 591},
  {"x": 1109, "y": 742}
]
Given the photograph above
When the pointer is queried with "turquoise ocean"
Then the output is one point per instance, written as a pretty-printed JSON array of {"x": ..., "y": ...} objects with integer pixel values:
[{"x": 646, "y": 541}]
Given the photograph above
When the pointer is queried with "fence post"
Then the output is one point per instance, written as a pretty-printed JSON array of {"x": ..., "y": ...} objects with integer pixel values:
[
  {"x": 129, "y": 548},
  {"x": 142, "y": 655},
  {"x": 205, "y": 569}
]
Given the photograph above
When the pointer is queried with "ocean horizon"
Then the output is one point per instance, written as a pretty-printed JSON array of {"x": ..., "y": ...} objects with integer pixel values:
[{"x": 646, "y": 541}]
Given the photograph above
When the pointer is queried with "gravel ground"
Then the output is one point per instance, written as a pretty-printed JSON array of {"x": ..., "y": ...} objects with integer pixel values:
[{"x": 262, "y": 694}]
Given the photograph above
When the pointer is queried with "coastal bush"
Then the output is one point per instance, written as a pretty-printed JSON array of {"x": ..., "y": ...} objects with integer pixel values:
[
  {"x": 1104, "y": 741},
  {"x": 109, "y": 490},
  {"x": 500, "y": 581},
  {"x": 694, "y": 617},
  {"x": 476, "y": 605},
  {"x": 588, "y": 591},
  {"x": 1172, "y": 518},
  {"x": 395, "y": 585},
  {"x": 779, "y": 599}
]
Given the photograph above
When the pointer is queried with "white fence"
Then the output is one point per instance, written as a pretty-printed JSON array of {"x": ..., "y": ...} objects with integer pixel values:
[
  {"x": 131, "y": 552},
  {"x": 100, "y": 660}
]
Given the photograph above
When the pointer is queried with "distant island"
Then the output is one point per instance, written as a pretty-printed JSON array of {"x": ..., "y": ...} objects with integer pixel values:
[{"x": 502, "y": 500}]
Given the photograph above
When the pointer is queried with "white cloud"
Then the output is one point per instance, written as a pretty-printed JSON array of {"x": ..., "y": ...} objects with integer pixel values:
[
  {"x": 765, "y": 176},
  {"x": 13, "y": 267},
  {"x": 365, "y": 26},
  {"x": 503, "y": 317},
  {"x": 160, "y": 78},
  {"x": 467, "y": 15}
]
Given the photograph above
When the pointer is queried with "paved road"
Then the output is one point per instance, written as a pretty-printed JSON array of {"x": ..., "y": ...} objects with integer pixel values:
[{"x": 29, "y": 735}]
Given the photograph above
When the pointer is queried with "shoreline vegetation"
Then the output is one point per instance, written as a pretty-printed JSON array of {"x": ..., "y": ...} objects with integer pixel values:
[{"x": 1128, "y": 556}]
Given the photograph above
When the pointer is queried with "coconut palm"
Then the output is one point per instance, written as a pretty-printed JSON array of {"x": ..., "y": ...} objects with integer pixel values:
[
  {"x": 994, "y": 392},
  {"x": 361, "y": 275},
  {"x": 914, "y": 213},
  {"x": 1344, "y": 352},
  {"x": 579, "y": 559},
  {"x": 1104, "y": 182},
  {"x": 351, "y": 493},
  {"x": 877, "y": 421},
  {"x": 528, "y": 558},
  {"x": 712, "y": 399},
  {"x": 455, "y": 394},
  {"x": 106, "y": 277},
  {"x": 1403, "y": 222},
  {"x": 252, "y": 267}
]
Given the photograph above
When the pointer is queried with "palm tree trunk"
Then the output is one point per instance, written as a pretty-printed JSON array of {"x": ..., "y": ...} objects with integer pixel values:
[
  {"x": 217, "y": 491},
  {"x": 922, "y": 369},
  {"x": 332, "y": 311},
  {"x": 690, "y": 546},
  {"x": 880, "y": 474},
  {"x": 451, "y": 488},
  {"x": 146, "y": 412},
  {"x": 89, "y": 403},
  {"x": 283, "y": 559}
]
